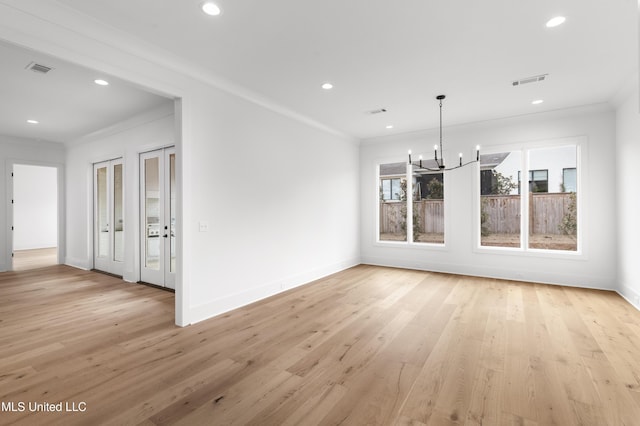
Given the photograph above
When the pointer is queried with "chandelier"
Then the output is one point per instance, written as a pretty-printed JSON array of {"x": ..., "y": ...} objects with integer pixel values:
[{"x": 439, "y": 161}]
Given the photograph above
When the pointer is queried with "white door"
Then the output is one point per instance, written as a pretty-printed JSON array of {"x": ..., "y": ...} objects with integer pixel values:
[
  {"x": 108, "y": 190},
  {"x": 158, "y": 217}
]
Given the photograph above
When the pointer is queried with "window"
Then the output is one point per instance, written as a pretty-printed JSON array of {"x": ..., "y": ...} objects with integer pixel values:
[
  {"x": 538, "y": 180},
  {"x": 546, "y": 217},
  {"x": 422, "y": 220},
  {"x": 487, "y": 181},
  {"x": 428, "y": 206},
  {"x": 390, "y": 189},
  {"x": 553, "y": 215},
  {"x": 393, "y": 204},
  {"x": 500, "y": 200},
  {"x": 569, "y": 181}
]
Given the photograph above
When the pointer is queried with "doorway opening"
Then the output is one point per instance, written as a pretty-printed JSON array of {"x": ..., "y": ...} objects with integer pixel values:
[
  {"x": 35, "y": 217},
  {"x": 95, "y": 132}
]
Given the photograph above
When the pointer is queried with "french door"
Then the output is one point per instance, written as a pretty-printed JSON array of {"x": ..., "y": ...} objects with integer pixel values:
[
  {"x": 158, "y": 217},
  {"x": 108, "y": 190}
]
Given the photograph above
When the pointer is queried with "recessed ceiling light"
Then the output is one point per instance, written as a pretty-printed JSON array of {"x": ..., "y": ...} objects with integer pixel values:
[
  {"x": 211, "y": 9},
  {"x": 327, "y": 86},
  {"x": 554, "y": 22},
  {"x": 33, "y": 121},
  {"x": 390, "y": 126},
  {"x": 537, "y": 102},
  {"x": 101, "y": 82}
]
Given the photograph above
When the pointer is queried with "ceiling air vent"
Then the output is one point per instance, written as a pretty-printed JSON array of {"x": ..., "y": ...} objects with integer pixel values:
[
  {"x": 377, "y": 111},
  {"x": 534, "y": 79},
  {"x": 39, "y": 68}
]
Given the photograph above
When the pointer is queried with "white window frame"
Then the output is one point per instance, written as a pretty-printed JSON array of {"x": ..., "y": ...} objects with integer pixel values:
[
  {"x": 409, "y": 229},
  {"x": 580, "y": 142}
]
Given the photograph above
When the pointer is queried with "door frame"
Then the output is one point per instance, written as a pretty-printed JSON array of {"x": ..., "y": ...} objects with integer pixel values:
[
  {"x": 164, "y": 277},
  {"x": 109, "y": 265},
  {"x": 85, "y": 51},
  {"x": 61, "y": 242}
]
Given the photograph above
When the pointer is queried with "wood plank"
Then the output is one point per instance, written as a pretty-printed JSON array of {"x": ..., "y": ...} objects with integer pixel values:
[
  {"x": 519, "y": 381},
  {"x": 24, "y": 260},
  {"x": 369, "y": 345},
  {"x": 515, "y": 310}
]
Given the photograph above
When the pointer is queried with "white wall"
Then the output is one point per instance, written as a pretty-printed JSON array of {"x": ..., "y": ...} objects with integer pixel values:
[
  {"x": 35, "y": 208},
  {"x": 595, "y": 267},
  {"x": 279, "y": 191},
  {"x": 281, "y": 199},
  {"x": 628, "y": 179},
  {"x": 23, "y": 151}
]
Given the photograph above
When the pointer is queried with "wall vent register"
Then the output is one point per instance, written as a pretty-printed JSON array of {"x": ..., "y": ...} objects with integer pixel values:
[{"x": 39, "y": 68}]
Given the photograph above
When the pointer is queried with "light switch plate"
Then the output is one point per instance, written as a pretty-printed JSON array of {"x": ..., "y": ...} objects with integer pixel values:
[{"x": 203, "y": 226}]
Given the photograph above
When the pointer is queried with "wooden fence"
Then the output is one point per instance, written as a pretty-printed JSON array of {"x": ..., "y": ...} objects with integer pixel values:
[
  {"x": 502, "y": 213},
  {"x": 430, "y": 213},
  {"x": 546, "y": 212},
  {"x": 391, "y": 217}
]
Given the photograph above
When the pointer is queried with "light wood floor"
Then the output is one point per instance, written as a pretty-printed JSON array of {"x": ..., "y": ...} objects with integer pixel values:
[
  {"x": 35, "y": 258},
  {"x": 367, "y": 346}
]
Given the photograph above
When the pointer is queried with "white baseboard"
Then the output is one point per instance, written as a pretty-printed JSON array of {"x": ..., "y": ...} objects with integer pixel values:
[
  {"x": 78, "y": 263},
  {"x": 596, "y": 283},
  {"x": 237, "y": 300},
  {"x": 630, "y": 296}
]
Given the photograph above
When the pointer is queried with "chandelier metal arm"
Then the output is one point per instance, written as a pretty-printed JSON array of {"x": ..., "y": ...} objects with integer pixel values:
[
  {"x": 440, "y": 169},
  {"x": 440, "y": 161}
]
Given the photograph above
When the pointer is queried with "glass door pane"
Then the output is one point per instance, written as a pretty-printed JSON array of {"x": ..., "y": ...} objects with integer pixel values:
[
  {"x": 118, "y": 214},
  {"x": 152, "y": 213},
  {"x": 158, "y": 208},
  {"x": 108, "y": 212},
  {"x": 102, "y": 216},
  {"x": 172, "y": 212}
]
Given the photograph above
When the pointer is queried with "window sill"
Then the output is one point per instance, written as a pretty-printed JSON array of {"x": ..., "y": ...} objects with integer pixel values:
[
  {"x": 419, "y": 246},
  {"x": 518, "y": 251}
]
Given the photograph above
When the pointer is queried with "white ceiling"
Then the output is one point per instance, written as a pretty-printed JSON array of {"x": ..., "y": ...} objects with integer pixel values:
[
  {"x": 66, "y": 101},
  {"x": 393, "y": 55}
]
